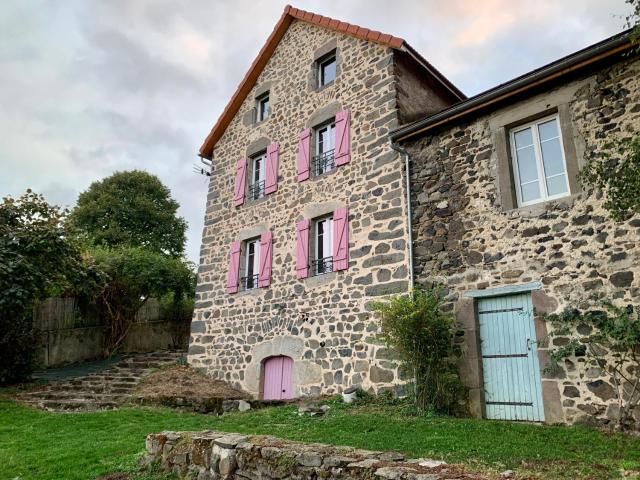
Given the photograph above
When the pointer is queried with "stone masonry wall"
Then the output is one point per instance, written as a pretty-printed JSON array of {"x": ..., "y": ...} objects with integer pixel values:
[
  {"x": 323, "y": 323},
  {"x": 466, "y": 238},
  {"x": 216, "y": 455}
]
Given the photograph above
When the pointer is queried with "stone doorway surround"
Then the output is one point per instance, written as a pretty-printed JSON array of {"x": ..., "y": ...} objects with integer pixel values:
[
  {"x": 305, "y": 372},
  {"x": 470, "y": 365}
]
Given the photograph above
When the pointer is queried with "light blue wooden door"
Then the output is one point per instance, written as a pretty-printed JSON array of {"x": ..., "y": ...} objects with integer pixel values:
[{"x": 511, "y": 371}]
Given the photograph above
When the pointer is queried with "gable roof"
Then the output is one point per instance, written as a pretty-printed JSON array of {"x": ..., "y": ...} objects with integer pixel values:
[{"x": 288, "y": 16}]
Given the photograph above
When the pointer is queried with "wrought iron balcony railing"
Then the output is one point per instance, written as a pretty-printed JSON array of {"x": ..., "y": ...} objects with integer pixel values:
[
  {"x": 249, "y": 282},
  {"x": 256, "y": 190},
  {"x": 323, "y": 163},
  {"x": 322, "y": 266}
]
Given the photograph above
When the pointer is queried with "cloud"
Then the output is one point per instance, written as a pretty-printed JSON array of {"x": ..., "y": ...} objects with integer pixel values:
[{"x": 88, "y": 88}]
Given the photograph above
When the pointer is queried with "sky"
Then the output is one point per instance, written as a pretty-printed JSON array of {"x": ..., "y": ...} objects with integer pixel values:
[{"x": 90, "y": 87}]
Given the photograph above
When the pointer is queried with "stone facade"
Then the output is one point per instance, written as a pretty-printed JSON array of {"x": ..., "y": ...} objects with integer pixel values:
[
  {"x": 469, "y": 235},
  {"x": 215, "y": 455},
  {"x": 323, "y": 323}
]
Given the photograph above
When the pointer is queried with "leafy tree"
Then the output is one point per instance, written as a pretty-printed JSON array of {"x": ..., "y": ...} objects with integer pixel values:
[
  {"x": 38, "y": 258},
  {"x": 612, "y": 346},
  {"x": 134, "y": 209},
  {"x": 422, "y": 334},
  {"x": 133, "y": 275}
]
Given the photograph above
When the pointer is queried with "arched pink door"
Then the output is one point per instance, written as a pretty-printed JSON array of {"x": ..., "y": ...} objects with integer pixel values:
[{"x": 278, "y": 378}]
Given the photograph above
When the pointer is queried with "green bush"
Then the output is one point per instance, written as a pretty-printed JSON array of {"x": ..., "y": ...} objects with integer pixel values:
[{"x": 422, "y": 334}]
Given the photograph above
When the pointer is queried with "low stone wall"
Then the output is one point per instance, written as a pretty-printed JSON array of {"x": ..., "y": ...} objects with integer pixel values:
[{"x": 215, "y": 455}]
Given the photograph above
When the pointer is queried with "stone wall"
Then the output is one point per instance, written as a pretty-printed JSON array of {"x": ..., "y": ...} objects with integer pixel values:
[
  {"x": 323, "y": 322},
  {"x": 216, "y": 455},
  {"x": 69, "y": 335},
  {"x": 468, "y": 235}
]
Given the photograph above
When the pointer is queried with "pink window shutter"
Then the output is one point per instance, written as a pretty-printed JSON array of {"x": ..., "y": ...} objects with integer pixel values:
[
  {"x": 271, "y": 180},
  {"x": 302, "y": 247},
  {"x": 241, "y": 178},
  {"x": 340, "y": 239},
  {"x": 343, "y": 137},
  {"x": 234, "y": 268},
  {"x": 304, "y": 150},
  {"x": 266, "y": 247}
]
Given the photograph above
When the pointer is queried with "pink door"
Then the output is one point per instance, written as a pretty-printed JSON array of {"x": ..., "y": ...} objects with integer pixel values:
[{"x": 278, "y": 378}]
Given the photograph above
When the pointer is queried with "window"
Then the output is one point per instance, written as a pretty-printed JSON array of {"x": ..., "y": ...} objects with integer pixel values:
[
  {"x": 325, "y": 142},
  {"x": 327, "y": 69},
  {"x": 251, "y": 265},
  {"x": 257, "y": 174},
  {"x": 323, "y": 246},
  {"x": 263, "y": 107},
  {"x": 539, "y": 166}
]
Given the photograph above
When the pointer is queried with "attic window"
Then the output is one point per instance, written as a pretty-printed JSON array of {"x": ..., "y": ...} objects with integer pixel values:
[
  {"x": 327, "y": 69},
  {"x": 263, "y": 107}
]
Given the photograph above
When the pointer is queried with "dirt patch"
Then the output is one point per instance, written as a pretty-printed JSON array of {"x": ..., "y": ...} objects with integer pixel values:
[{"x": 183, "y": 381}]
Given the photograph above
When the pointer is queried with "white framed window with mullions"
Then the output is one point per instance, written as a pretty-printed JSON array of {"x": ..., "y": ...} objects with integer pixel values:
[{"x": 539, "y": 163}]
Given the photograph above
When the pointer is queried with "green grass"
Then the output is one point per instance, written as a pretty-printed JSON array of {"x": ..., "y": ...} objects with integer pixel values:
[{"x": 40, "y": 445}]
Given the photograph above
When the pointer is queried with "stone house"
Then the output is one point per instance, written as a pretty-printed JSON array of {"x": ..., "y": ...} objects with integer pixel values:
[
  {"x": 499, "y": 216},
  {"x": 331, "y": 131},
  {"x": 306, "y": 218}
]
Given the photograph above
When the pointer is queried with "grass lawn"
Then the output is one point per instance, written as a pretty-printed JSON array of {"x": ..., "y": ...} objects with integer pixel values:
[{"x": 40, "y": 445}]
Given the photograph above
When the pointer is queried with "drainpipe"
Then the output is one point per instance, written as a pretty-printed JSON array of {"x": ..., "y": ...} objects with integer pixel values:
[{"x": 407, "y": 160}]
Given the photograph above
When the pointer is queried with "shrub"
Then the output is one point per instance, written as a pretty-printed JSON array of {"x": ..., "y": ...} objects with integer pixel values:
[{"x": 422, "y": 334}]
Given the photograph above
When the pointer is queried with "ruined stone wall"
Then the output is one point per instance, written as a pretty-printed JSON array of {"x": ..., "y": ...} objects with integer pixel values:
[
  {"x": 215, "y": 455},
  {"x": 323, "y": 323},
  {"x": 466, "y": 236}
]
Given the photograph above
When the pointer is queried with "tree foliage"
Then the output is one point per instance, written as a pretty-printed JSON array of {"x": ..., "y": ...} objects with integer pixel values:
[
  {"x": 422, "y": 334},
  {"x": 613, "y": 346},
  {"x": 133, "y": 275},
  {"x": 132, "y": 209},
  {"x": 616, "y": 173},
  {"x": 38, "y": 258}
]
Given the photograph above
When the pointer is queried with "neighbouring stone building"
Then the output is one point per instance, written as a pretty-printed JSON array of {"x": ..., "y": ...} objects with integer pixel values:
[
  {"x": 501, "y": 247},
  {"x": 307, "y": 210}
]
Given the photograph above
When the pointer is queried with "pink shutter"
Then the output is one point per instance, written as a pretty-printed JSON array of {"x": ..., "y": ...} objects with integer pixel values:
[
  {"x": 302, "y": 243},
  {"x": 241, "y": 177},
  {"x": 304, "y": 150},
  {"x": 266, "y": 242},
  {"x": 234, "y": 268},
  {"x": 343, "y": 137},
  {"x": 271, "y": 181},
  {"x": 340, "y": 239}
]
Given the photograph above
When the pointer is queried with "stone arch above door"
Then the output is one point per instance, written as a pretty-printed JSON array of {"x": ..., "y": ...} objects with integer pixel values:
[{"x": 305, "y": 372}]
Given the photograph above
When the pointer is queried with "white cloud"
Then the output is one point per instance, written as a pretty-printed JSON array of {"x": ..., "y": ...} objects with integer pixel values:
[{"x": 88, "y": 88}]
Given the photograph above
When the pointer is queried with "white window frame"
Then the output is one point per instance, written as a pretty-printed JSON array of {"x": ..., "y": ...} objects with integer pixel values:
[
  {"x": 256, "y": 259},
  {"x": 330, "y": 127},
  {"x": 260, "y": 101},
  {"x": 323, "y": 62},
  {"x": 542, "y": 179},
  {"x": 262, "y": 173},
  {"x": 327, "y": 241}
]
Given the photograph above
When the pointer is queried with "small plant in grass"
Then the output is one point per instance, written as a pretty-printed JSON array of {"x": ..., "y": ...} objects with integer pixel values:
[
  {"x": 613, "y": 346},
  {"x": 422, "y": 334}
]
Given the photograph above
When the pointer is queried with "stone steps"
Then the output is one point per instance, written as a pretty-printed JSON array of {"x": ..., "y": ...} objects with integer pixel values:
[{"x": 104, "y": 390}]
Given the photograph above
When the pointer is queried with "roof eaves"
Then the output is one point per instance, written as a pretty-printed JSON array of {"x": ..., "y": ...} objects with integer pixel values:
[{"x": 589, "y": 55}]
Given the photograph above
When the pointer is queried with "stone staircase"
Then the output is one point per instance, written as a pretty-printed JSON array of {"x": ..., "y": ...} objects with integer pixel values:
[{"x": 103, "y": 390}]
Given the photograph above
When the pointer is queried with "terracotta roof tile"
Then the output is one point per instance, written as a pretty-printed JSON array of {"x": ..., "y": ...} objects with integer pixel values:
[{"x": 290, "y": 13}]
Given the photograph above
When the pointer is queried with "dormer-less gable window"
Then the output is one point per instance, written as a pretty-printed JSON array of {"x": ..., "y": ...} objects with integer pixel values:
[
  {"x": 327, "y": 69},
  {"x": 263, "y": 107}
]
